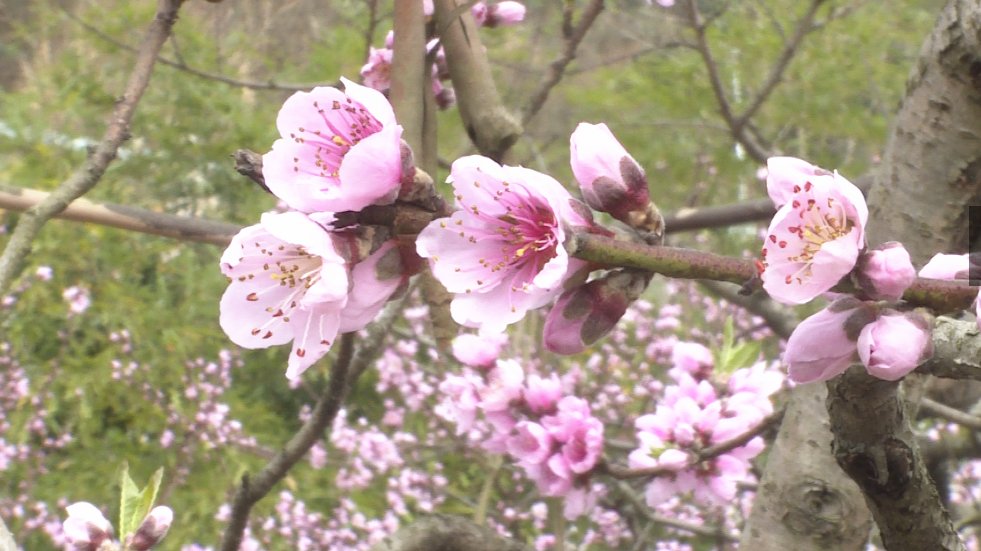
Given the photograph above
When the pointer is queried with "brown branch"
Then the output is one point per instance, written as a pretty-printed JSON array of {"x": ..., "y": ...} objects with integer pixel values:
[
  {"x": 255, "y": 488},
  {"x": 91, "y": 171},
  {"x": 556, "y": 69},
  {"x": 956, "y": 350},
  {"x": 711, "y": 452},
  {"x": 180, "y": 65},
  {"x": 698, "y": 529},
  {"x": 488, "y": 123},
  {"x": 954, "y": 415},
  {"x": 804, "y": 26},
  {"x": 344, "y": 372},
  {"x": 125, "y": 217}
]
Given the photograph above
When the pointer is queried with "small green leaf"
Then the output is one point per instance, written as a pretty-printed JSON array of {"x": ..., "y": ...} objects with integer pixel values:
[{"x": 134, "y": 503}]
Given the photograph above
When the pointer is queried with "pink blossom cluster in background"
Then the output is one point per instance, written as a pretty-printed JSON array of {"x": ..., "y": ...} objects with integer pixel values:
[{"x": 692, "y": 416}]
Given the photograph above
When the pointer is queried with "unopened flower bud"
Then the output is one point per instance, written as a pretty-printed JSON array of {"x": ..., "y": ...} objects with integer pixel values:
[
  {"x": 895, "y": 344},
  {"x": 153, "y": 529},
  {"x": 85, "y": 528},
  {"x": 884, "y": 273},
  {"x": 584, "y": 314},
  {"x": 823, "y": 345},
  {"x": 610, "y": 179}
]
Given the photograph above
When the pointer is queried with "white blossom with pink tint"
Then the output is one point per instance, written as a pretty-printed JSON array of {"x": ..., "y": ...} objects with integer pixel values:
[
  {"x": 816, "y": 235},
  {"x": 692, "y": 358},
  {"x": 86, "y": 528},
  {"x": 478, "y": 350},
  {"x": 287, "y": 283},
  {"x": 951, "y": 267},
  {"x": 503, "y": 252},
  {"x": 542, "y": 394},
  {"x": 893, "y": 345},
  {"x": 504, "y": 386},
  {"x": 338, "y": 151}
]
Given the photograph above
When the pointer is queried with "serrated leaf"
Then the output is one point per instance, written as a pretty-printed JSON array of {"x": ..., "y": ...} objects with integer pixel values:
[{"x": 134, "y": 504}]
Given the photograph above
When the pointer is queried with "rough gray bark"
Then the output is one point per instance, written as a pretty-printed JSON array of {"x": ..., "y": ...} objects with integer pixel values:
[
  {"x": 931, "y": 170},
  {"x": 446, "y": 533},
  {"x": 804, "y": 501}
]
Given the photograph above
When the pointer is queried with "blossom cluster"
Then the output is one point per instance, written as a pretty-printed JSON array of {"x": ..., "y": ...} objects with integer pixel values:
[
  {"x": 552, "y": 435},
  {"x": 296, "y": 276},
  {"x": 816, "y": 238},
  {"x": 695, "y": 414}
]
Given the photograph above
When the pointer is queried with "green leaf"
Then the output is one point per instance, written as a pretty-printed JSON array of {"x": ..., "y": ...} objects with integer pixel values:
[{"x": 134, "y": 504}]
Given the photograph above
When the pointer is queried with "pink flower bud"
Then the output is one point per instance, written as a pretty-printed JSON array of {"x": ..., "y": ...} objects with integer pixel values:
[
  {"x": 895, "y": 344},
  {"x": 153, "y": 529},
  {"x": 610, "y": 179},
  {"x": 823, "y": 345},
  {"x": 886, "y": 272},
  {"x": 584, "y": 314},
  {"x": 85, "y": 528}
]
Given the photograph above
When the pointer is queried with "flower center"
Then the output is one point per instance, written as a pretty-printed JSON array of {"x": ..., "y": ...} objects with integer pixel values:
[
  {"x": 346, "y": 124},
  {"x": 819, "y": 221}
]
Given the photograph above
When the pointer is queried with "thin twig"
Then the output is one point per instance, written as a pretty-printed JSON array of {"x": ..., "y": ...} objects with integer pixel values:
[
  {"x": 691, "y": 527},
  {"x": 91, "y": 171},
  {"x": 954, "y": 415},
  {"x": 344, "y": 373},
  {"x": 180, "y": 65},
  {"x": 255, "y": 488},
  {"x": 557, "y": 68},
  {"x": 711, "y": 452}
]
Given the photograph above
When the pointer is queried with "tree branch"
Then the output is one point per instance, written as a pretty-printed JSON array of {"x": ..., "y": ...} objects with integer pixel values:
[
  {"x": 488, "y": 123},
  {"x": 344, "y": 372},
  {"x": 180, "y": 65},
  {"x": 556, "y": 69},
  {"x": 91, "y": 171},
  {"x": 711, "y": 452}
]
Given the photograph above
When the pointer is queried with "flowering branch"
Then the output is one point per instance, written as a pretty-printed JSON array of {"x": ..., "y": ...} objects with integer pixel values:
[
  {"x": 710, "y": 452},
  {"x": 91, "y": 171}
]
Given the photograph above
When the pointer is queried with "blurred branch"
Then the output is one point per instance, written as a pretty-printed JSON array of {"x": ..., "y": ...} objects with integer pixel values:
[
  {"x": 255, "y": 488},
  {"x": 698, "y": 529},
  {"x": 91, "y": 171},
  {"x": 739, "y": 124},
  {"x": 344, "y": 372},
  {"x": 956, "y": 350},
  {"x": 573, "y": 36},
  {"x": 125, "y": 217},
  {"x": 954, "y": 415},
  {"x": 711, "y": 452},
  {"x": 180, "y": 65}
]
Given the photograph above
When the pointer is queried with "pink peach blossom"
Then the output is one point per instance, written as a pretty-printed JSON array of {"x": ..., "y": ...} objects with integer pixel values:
[
  {"x": 338, "y": 151},
  {"x": 814, "y": 239},
  {"x": 503, "y": 252}
]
